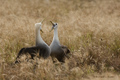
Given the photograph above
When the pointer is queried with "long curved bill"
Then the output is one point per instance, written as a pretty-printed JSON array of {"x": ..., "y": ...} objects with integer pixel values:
[{"x": 53, "y": 26}]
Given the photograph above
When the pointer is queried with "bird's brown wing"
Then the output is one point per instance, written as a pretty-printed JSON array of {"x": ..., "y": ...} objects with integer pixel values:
[
  {"x": 66, "y": 51},
  {"x": 30, "y": 50}
]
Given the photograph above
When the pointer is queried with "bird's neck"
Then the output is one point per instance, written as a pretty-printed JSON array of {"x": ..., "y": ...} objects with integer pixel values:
[
  {"x": 39, "y": 40},
  {"x": 56, "y": 35}
]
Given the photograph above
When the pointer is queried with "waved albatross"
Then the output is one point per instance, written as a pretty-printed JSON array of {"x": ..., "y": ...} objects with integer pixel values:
[
  {"x": 57, "y": 51},
  {"x": 41, "y": 47}
]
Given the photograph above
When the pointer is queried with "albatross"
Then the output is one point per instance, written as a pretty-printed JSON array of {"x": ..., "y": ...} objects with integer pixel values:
[
  {"x": 57, "y": 50},
  {"x": 41, "y": 47}
]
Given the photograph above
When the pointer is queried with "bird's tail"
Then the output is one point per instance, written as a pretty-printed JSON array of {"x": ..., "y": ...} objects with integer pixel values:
[{"x": 20, "y": 53}]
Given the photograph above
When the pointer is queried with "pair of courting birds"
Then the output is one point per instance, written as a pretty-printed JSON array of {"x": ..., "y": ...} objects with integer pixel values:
[{"x": 55, "y": 50}]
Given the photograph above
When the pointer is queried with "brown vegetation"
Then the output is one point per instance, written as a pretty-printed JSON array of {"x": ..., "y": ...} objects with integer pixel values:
[{"x": 90, "y": 28}]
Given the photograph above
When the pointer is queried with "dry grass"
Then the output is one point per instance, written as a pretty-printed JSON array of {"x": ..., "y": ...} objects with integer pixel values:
[{"x": 90, "y": 28}]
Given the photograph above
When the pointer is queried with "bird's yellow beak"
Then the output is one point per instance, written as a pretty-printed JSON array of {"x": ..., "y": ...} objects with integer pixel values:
[
  {"x": 52, "y": 23},
  {"x": 41, "y": 23},
  {"x": 53, "y": 26},
  {"x": 41, "y": 30}
]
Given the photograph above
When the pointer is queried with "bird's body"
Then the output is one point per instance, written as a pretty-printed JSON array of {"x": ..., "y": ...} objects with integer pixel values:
[
  {"x": 41, "y": 47},
  {"x": 58, "y": 51},
  {"x": 41, "y": 44}
]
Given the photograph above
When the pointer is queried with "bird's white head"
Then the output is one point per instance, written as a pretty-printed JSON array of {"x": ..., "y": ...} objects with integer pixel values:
[
  {"x": 38, "y": 26},
  {"x": 55, "y": 25}
]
